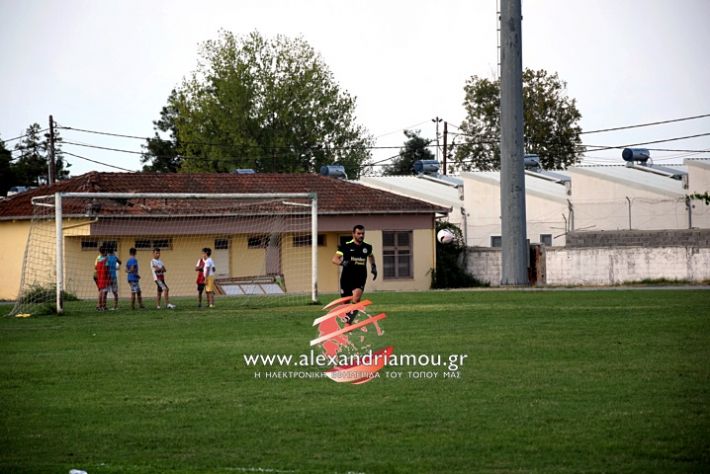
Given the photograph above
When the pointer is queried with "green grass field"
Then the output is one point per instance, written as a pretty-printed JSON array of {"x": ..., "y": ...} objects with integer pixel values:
[{"x": 555, "y": 381}]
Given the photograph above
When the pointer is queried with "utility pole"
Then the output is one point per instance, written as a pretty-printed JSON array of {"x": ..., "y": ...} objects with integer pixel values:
[
  {"x": 51, "y": 161},
  {"x": 512, "y": 172},
  {"x": 437, "y": 120},
  {"x": 446, "y": 130}
]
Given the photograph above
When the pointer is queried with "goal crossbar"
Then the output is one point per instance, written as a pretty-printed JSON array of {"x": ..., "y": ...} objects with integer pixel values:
[{"x": 58, "y": 217}]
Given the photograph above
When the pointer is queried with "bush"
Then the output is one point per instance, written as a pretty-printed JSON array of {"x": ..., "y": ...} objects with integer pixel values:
[
  {"x": 450, "y": 269},
  {"x": 39, "y": 294}
]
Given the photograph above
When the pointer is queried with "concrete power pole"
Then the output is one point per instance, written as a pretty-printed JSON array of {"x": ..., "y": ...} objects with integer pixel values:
[{"x": 512, "y": 170}]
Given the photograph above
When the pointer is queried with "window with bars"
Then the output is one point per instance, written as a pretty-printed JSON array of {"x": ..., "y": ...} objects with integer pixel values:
[
  {"x": 258, "y": 241},
  {"x": 150, "y": 244},
  {"x": 397, "y": 254},
  {"x": 304, "y": 240},
  {"x": 95, "y": 245}
]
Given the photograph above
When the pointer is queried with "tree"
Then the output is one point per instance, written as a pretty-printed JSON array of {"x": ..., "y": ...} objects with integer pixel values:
[
  {"x": 7, "y": 175},
  {"x": 551, "y": 123},
  {"x": 267, "y": 104},
  {"x": 32, "y": 165},
  {"x": 415, "y": 148},
  {"x": 162, "y": 155}
]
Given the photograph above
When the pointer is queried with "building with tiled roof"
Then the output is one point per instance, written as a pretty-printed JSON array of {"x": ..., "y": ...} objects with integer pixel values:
[{"x": 401, "y": 229}]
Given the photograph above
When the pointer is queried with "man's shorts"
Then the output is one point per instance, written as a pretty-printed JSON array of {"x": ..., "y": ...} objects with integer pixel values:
[
  {"x": 200, "y": 287},
  {"x": 348, "y": 283},
  {"x": 161, "y": 286},
  {"x": 113, "y": 285},
  {"x": 209, "y": 285},
  {"x": 135, "y": 286}
]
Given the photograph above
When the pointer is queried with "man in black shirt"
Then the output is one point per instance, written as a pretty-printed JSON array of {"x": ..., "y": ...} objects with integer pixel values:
[{"x": 353, "y": 256}]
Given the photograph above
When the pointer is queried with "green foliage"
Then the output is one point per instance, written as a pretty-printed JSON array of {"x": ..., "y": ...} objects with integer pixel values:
[
  {"x": 31, "y": 165},
  {"x": 415, "y": 148},
  {"x": 39, "y": 300},
  {"x": 267, "y": 104},
  {"x": 551, "y": 123},
  {"x": 44, "y": 293},
  {"x": 450, "y": 262},
  {"x": 162, "y": 155},
  {"x": 7, "y": 174},
  {"x": 705, "y": 197},
  {"x": 659, "y": 282}
]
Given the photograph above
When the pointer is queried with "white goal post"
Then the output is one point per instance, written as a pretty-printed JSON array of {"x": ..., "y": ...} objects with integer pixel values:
[{"x": 183, "y": 222}]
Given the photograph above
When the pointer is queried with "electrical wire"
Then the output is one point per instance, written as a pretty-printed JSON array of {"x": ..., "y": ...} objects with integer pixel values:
[
  {"x": 231, "y": 145},
  {"x": 98, "y": 162},
  {"x": 382, "y": 162},
  {"x": 96, "y": 132},
  {"x": 400, "y": 129},
  {"x": 492, "y": 140},
  {"x": 22, "y": 136},
  {"x": 605, "y": 147},
  {"x": 649, "y": 124}
]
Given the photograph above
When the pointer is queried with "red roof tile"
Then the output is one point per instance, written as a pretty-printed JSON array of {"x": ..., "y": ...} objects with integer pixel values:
[{"x": 335, "y": 196}]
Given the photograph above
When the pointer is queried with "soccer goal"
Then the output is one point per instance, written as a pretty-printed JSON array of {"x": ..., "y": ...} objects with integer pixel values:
[{"x": 263, "y": 247}]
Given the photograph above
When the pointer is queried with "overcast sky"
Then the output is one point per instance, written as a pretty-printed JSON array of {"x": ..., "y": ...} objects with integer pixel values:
[{"x": 110, "y": 65}]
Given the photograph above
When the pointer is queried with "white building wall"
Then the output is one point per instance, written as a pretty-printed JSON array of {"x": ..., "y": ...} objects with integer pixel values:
[
  {"x": 698, "y": 176},
  {"x": 482, "y": 203},
  {"x": 428, "y": 191},
  {"x": 485, "y": 264},
  {"x": 603, "y": 266},
  {"x": 545, "y": 215},
  {"x": 699, "y": 183},
  {"x": 602, "y": 202}
]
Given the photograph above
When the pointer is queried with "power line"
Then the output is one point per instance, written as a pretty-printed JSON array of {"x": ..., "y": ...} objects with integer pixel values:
[
  {"x": 106, "y": 148},
  {"x": 649, "y": 124},
  {"x": 96, "y": 132},
  {"x": 22, "y": 136},
  {"x": 492, "y": 140},
  {"x": 380, "y": 162},
  {"x": 231, "y": 145},
  {"x": 98, "y": 162},
  {"x": 64, "y": 142},
  {"x": 594, "y": 148},
  {"x": 121, "y": 135},
  {"x": 225, "y": 145},
  {"x": 401, "y": 129},
  {"x": 377, "y": 163},
  {"x": 605, "y": 147}
]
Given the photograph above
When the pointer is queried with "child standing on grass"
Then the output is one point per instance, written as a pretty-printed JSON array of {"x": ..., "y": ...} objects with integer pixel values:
[
  {"x": 158, "y": 269},
  {"x": 134, "y": 279},
  {"x": 102, "y": 278},
  {"x": 208, "y": 271},
  {"x": 199, "y": 268},
  {"x": 113, "y": 263}
]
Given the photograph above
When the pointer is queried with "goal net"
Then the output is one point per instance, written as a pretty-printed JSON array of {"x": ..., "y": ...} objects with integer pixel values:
[{"x": 262, "y": 247}]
